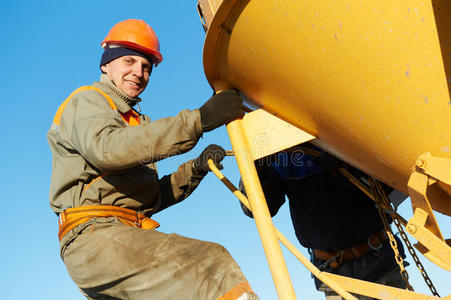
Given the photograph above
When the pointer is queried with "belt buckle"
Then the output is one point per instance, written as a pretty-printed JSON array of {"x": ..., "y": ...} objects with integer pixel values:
[
  {"x": 62, "y": 218},
  {"x": 138, "y": 221}
]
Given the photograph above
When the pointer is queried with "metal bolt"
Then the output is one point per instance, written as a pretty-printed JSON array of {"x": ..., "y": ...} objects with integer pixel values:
[
  {"x": 420, "y": 163},
  {"x": 411, "y": 228}
]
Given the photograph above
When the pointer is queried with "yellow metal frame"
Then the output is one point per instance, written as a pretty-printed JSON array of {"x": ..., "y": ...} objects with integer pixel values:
[
  {"x": 340, "y": 284},
  {"x": 282, "y": 238},
  {"x": 432, "y": 174},
  {"x": 429, "y": 186},
  {"x": 253, "y": 137}
]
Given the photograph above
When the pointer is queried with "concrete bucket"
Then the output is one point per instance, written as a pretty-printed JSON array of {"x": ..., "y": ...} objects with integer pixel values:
[{"x": 369, "y": 80}]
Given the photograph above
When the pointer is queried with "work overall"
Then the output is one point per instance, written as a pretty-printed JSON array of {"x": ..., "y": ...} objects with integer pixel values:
[{"x": 105, "y": 187}]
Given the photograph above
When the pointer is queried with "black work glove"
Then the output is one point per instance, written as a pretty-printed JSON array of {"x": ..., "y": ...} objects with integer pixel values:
[
  {"x": 214, "y": 152},
  {"x": 220, "y": 109}
]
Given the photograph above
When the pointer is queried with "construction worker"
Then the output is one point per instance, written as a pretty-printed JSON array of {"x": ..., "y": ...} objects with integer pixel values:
[
  {"x": 105, "y": 185},
  {"x": 336, "y": 221}
]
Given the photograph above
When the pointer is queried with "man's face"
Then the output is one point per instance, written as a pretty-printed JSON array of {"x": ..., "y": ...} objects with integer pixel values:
[{"x": 129, "y": 73}]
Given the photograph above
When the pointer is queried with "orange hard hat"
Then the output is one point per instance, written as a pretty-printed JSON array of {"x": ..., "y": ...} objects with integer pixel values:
[{"x": 137, "y": 35}]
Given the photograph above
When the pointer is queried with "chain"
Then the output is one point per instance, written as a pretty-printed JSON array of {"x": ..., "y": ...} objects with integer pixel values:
[
  {"x": 323, "y": 266},
  {"x": 415, "y": 258},
  {"x": 383, "y": 204}
]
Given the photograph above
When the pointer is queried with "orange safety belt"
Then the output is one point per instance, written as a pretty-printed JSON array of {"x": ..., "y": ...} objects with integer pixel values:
[{"x": 72, "y": 217}]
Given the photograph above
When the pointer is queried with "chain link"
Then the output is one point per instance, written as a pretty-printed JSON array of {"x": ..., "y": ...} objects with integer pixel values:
[
  {"x": 381, "y": 207},
  {"x": 384, "y": 205},
  {"x": 323, "y": 266},
  {"x": 415, "y": 258}
]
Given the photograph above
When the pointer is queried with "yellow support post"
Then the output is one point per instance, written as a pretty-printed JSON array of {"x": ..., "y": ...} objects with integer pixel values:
[{"x": 271, "y": 246}]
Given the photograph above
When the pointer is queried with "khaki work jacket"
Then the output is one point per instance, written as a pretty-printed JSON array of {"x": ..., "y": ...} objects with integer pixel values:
[{"x": 99, "y": 160}]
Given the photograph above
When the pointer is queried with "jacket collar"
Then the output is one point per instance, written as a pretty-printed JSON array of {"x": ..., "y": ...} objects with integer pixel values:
[{"x": 123, "y": 102}]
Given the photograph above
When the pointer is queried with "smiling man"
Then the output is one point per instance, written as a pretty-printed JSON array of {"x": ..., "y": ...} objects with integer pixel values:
[
  {"x": 105, "y": 186},
  {"x": 129, "y": 73}
]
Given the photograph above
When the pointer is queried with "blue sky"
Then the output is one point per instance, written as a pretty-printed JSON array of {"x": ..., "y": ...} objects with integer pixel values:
[{"x": 49, "y": 48}]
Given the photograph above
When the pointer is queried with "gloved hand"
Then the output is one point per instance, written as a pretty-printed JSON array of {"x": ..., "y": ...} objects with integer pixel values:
[
  {"x": 220, "y": 109},
  {"x": 214, "y": 152}
]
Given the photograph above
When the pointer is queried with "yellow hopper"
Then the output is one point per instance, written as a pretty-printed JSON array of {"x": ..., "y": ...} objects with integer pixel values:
[{"x": 368, "y": 81}]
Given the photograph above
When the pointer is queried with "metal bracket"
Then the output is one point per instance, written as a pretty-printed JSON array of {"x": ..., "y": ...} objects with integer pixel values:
[
  {"x": 432, "y": 247},
  {"x": 437, "y": 167},
  {"x": 423, "y": 186},
  {"x": 267, "y": 134}
]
